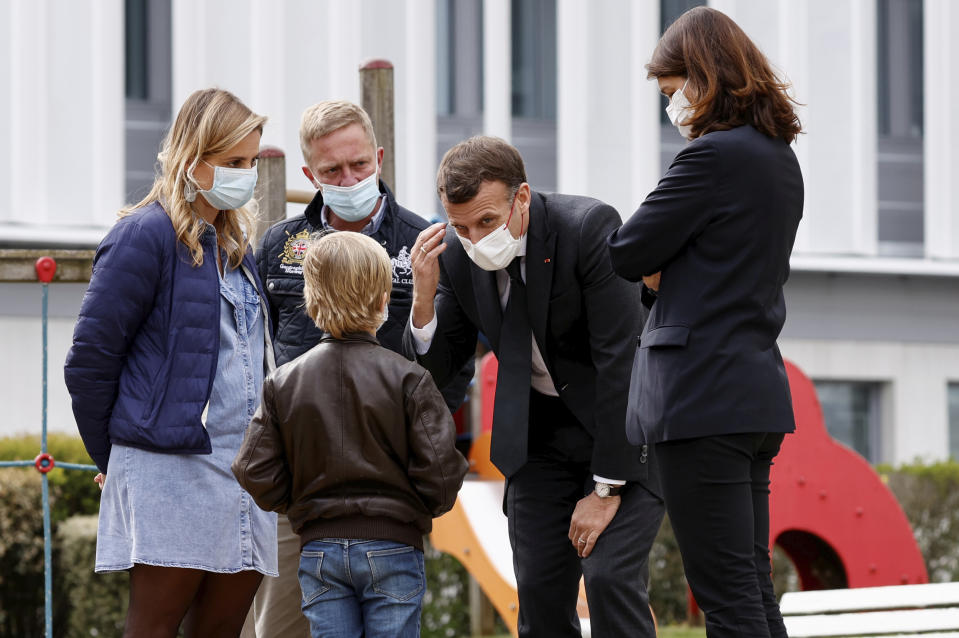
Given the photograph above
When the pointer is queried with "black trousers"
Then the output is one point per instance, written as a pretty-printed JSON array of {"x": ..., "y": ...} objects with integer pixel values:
[
  {"x": 717, "y": 496},
  {"x": 540, "y": 499}
]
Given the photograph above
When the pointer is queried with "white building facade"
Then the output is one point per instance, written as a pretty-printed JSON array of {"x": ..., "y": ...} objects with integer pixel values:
[{"x": 90, "y": 86}]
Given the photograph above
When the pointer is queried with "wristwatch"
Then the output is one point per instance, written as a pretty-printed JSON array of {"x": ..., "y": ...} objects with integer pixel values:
[{"x": 605, "y": 490}]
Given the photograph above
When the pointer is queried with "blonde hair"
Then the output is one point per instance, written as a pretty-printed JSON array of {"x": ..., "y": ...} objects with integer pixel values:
[
  {"x": 328, "y": 116},
  {"x": 345, "y": 275},
  {"x": 211, "y": 121}
]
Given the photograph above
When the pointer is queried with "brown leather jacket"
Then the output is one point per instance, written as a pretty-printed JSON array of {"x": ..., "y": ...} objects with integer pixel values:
[{"x": 352, "y": 440}]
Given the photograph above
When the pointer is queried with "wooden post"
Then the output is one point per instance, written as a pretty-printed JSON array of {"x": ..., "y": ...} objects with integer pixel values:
[
  {"x": 482, "y": 612},
  {"x": 270, "y": 190},
  {"x": 376, "y": 82}
]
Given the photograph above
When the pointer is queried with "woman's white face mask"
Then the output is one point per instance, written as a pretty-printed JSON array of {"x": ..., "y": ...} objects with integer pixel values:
[
  {"x": 231, "y": 189},
  {"x": 679, "y": 111}
]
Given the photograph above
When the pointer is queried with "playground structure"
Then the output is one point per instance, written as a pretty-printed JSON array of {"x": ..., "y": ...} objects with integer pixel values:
[{"x": 829, "y": 512}]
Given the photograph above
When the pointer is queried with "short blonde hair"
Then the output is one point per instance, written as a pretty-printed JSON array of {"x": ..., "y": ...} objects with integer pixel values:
[
  {"x": 328, "y": 116},
  {"x": 345, "y": 275},
  {"x": 211, "y": 121}
]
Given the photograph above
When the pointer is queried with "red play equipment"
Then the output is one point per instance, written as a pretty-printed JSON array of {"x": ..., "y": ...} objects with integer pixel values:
[{"x": 831, "y": 513}]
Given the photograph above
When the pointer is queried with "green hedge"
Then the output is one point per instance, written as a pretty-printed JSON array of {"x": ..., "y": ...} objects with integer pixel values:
[
  {"x": 72, "y": 492},
  {"x": 21, "y": 558},
  {"x": 929, "y": 495},
  {"x": 75, "y": 491},
  {"x": 97, "y": 602}
]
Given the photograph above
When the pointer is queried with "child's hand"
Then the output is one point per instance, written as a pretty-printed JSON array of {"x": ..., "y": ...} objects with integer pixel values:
[{"x": 99, "y": 479}]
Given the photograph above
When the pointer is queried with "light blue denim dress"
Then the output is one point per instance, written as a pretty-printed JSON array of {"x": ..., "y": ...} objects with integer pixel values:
[{"x": 187, "y": 510}]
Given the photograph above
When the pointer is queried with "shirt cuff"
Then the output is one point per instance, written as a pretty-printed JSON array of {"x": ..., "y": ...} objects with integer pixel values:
[
  {"x": 423, "y": 337},
  {"x": 600, "y": 479}
]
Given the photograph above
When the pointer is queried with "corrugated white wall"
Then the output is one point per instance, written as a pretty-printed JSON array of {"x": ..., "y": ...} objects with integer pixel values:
[{"x": 61, "y": 101}]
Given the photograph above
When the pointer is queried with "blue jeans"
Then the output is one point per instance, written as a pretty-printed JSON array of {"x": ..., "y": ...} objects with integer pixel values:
[{"x": 362, "y": 588}]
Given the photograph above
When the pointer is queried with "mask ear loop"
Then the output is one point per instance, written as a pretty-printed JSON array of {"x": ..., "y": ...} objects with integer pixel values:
[
  {"x": 510, "y": 216},
  {"x": 190, "y": 186}
]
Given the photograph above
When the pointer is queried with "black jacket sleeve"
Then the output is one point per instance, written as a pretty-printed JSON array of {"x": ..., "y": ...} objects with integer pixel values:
[{"x": 671, "y": 216}]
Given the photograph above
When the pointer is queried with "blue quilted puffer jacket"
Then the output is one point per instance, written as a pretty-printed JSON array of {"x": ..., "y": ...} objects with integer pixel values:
[{"x": 145, "y": 345}]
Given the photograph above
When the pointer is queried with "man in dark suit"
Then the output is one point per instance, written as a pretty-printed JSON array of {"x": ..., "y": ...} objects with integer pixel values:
[{"x": 530, "y": 270}]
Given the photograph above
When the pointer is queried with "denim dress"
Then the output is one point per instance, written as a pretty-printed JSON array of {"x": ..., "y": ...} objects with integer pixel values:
[{"x": 187, "y": 510}]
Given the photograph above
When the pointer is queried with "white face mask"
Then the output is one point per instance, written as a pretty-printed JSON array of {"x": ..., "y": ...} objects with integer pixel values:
[
  {"x": 496, "y": 250},
  {"x": 352, "y": 203},
  {"x": 679, "y": 111},
  {"x": 231, "y": 189}
]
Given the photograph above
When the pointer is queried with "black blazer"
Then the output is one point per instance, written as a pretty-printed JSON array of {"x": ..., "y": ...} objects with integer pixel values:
[
  {"x": 583, "y": 316},
  {"x": 720, "y": 226}
]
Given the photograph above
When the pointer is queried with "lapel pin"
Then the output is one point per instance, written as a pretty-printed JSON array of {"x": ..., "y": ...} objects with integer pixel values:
[{"x": 546, "y": 261}]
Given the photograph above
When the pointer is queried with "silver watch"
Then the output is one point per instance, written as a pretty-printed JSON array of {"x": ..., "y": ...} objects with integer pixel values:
[{"x": 605, "y": 490}]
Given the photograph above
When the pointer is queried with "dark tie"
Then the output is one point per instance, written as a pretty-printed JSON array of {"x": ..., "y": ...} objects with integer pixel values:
[{"x": 511, "y": 404}]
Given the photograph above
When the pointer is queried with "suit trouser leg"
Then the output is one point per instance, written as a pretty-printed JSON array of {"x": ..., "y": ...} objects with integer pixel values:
[
  {"x": 617, "y": 571},
  {"x": 276, "y": 608},
  {"x": 717, "y": 498},
  {"x": 540, "y": 500}
]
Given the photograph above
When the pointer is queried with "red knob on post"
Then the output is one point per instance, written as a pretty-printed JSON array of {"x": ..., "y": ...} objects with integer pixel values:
[
  {"x": 46, "y": 269},
  {"x": 44, "y": 462}
]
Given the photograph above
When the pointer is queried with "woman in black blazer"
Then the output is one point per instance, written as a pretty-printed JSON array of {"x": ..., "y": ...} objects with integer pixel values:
[{"x": 712, "y": 246}]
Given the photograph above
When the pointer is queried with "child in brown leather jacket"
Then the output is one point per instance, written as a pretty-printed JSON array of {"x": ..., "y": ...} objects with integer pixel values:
[{"x": 355, "y": 444}]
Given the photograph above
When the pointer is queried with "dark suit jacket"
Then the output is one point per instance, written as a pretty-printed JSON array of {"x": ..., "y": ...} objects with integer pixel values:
[
  {"x": 720, "y": 226},
  {"x": 583, "y": 316}
]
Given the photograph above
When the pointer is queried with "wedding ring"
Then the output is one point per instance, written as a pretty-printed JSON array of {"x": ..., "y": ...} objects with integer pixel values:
[
  {"x": 423, "y": 248},
  {"x": 582, "y": 541}
]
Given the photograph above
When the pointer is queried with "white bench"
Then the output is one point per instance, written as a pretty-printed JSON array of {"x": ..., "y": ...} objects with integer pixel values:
[{"x": 929, "y": 611}]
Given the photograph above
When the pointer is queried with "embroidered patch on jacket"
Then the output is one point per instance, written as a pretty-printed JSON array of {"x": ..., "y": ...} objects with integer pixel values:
[
  {"x": 294, "y": 250},
  {"x": 402, "y": 267}
]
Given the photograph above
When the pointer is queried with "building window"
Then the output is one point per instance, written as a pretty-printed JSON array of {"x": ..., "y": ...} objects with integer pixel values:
[
  {"x": 459, "y": 75},
  {"x": 459, "y": 63},
  {"x": 670, "y": 141},
  {"x": 953, "y": 394},
  {"x": 459, "y": 81},
  {"x": 851, "y": 412},
  {"x": 149, "y": 86},
  {"x": 533, "y": 26},
  {"x": 137, "y": 51},
  {"x": 899, "y": 44}
]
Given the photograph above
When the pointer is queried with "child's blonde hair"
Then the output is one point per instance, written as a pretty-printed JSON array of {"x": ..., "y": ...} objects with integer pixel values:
[{"x": 345, "y": 276}]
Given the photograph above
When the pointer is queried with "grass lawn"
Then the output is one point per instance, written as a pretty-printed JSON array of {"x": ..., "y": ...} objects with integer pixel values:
[
  {"x": 679, "y": 631},
  {"x": 673, "y": 631}
]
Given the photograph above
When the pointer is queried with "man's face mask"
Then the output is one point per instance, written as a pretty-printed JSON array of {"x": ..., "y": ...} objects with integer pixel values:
[
  {"x": 352, "y": 203},
  {"x": 496, "y": 250}
]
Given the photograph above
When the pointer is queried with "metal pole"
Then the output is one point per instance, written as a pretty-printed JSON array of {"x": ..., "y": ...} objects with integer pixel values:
[
  {"x": 46, "y": 269},
  {"x": 47, "y": 552}
]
